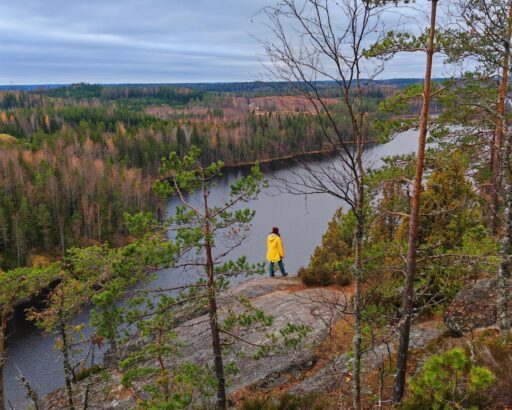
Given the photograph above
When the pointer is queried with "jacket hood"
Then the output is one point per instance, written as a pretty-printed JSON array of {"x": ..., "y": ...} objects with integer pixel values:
[{"x": 273, "y": 237}]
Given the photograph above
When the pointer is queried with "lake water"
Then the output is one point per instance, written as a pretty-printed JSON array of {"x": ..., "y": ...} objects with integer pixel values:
[{"x": 301, "y": 220}]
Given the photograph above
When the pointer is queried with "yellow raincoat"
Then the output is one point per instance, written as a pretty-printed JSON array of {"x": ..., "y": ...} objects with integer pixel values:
[{"x": 275, "y": 250}]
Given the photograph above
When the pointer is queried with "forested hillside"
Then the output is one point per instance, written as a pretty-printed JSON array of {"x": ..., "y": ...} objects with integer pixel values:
[{"x": 85, "y": 154}]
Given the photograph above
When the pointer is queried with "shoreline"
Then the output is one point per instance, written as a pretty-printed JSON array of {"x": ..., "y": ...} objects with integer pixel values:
[
  {"x": 268, "y": 161},
  {"x": 290, "y": 157}
]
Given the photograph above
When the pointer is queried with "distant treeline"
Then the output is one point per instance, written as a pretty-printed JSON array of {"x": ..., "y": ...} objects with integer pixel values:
[
  {"x": 263, "y": 87},
  {"x": 285, "y": 88},
  {"x": 158, "y": 94}
]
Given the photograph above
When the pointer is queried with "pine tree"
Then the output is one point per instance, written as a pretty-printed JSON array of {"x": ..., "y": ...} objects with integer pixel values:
[{"x": 197, "y": 230}]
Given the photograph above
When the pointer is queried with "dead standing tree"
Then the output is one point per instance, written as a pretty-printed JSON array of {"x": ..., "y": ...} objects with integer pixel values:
[{"x": 320, "y": 40}]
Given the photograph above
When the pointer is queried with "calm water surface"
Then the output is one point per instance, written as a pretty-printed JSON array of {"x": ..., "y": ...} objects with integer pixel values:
[{"x": 302, "y": 221}]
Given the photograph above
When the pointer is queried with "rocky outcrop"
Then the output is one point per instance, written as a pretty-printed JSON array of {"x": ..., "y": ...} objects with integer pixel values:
[
  {"x": 288, "y": 369},
  {"x": 332, "y": 374},
  {"x": 314, "y": 308},
  {"x": 283, "y": 298},
  {"x": 473, "y": 307},
  {"x": 249, "y": 289}
]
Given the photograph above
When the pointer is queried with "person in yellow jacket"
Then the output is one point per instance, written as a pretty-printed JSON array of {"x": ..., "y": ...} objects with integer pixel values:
[{"x": 275, "y": 251}]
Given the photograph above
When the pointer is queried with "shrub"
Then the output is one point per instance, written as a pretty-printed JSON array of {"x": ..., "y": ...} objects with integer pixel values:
[
  {"x": 332, "y": 260},
  {"x": 451, "y": 225},
  {"x": 85, "y": 373},
  {"x": 449, "y": 381}
]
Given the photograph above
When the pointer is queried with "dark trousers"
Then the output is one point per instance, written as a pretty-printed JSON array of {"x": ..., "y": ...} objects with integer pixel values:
[{"x": 281, "y": 268}]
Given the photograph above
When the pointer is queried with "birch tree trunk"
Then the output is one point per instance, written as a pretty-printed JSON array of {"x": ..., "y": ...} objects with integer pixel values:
[
  {"x": 358, "y": 261},
  {"x": 312, "y": 22},
  {"x": 405, "y": 329},
  {"x": 358, "y": 311}
]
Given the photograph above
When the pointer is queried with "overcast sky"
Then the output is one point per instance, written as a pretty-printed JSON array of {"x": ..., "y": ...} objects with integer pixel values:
[{"x": 141, "y": 41}]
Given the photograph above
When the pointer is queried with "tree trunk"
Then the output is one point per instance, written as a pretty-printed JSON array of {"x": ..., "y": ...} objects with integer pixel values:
[
  {"x": 212, "y": 311},
  {"x": 506, "y": 242},
  {"x": 67, "y": 367},
  {"x": 68, "y": 371},
  {"x": 357, "y": 341},
  {"x": 403, "y": 349},
  {"x": 3, "y": 331},
  {"x": 504, "y": 271},
  {"x": 358, "y": 270},
  {"x": 6, "y": 309},
  {"x": 17, "y": 234},
  {"x": 498, "y": 136}
]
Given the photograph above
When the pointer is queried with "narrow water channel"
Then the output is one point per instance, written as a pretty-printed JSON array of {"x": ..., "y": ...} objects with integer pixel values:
[{"x": 302, "y": 221}]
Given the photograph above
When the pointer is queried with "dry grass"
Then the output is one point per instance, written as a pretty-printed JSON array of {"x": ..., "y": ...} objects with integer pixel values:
[
  {"x": 296, "y": 287},
  {"x": 40, "y": 261},
  {"x": 339, "y": 341},
  {"x": 7, "y": 138}
]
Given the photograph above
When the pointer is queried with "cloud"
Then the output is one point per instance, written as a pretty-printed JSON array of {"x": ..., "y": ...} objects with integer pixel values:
[{"x": 57, "y": 41}]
